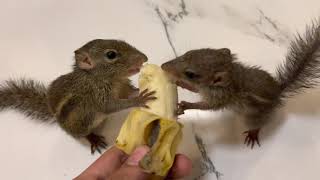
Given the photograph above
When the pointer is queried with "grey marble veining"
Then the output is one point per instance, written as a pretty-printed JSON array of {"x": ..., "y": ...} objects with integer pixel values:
[{"x": 45, "y": 33}]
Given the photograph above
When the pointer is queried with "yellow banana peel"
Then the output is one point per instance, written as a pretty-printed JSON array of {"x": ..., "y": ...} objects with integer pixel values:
[{"x": 156, "y": 126}]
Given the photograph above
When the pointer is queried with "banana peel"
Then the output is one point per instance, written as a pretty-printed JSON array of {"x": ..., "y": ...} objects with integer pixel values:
[
  {"x": 137, "y": 130},
  {"x": 156, "y": 126}
]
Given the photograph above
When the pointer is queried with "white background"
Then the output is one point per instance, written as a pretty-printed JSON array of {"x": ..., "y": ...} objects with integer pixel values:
[{"x": 38, "y": 38}]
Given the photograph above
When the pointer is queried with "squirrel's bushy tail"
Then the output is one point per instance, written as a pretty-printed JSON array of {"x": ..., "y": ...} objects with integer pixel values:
[
  {"x": 301, "y": 69},
  {"x": 27, "y": 96}
]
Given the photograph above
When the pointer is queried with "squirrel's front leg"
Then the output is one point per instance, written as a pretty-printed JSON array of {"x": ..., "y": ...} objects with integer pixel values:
[
  {"x": 128, "y": 91},
  {"x": 138, "y": 101},
  {"x": 183, "y": 105}
]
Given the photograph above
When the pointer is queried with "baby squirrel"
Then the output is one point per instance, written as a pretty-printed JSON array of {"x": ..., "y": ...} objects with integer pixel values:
[
  {"x": 223, "y": 82},
  {"x": 80, "y": 100}
]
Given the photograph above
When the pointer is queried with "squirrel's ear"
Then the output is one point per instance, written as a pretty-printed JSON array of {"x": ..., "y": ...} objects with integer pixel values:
[
  {"x": 83, "y": 60},
  {"x": 220, "y": 79},
  {"x": 225, "y": 51}
]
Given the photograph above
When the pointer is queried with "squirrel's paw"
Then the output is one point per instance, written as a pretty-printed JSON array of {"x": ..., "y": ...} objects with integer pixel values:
[
  {"x": 182, "y": 106},
  {"x": 97, "y": 143},
  {"x": 252, "y": 137},
  {"x": 144, "y": 97}
]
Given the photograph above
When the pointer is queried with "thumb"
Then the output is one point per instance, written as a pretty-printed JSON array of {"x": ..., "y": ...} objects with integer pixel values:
[
  {"x": 130, "y": 169},
  {"x": 136, "y": 156}
]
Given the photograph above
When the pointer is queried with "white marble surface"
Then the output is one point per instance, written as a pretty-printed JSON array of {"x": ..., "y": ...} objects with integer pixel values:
[{"x": 38, "y": 38}]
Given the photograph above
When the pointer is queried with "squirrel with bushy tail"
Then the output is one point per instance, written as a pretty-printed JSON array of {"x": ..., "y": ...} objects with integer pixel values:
[
  {"x": 225, "y": 83},
  {"x": 81, "y": 100}
]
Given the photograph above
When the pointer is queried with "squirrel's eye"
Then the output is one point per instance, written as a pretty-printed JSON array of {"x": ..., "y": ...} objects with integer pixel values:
[
  {"x": 111, "y": 54},
  {"x": 191, "y": 75}
]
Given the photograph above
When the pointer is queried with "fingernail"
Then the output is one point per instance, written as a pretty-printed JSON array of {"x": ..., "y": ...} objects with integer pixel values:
[{"x": 137, "y": 155}]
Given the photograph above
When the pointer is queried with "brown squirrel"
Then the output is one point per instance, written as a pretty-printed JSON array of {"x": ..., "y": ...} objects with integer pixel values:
[
  {"x": 80, "y": 100},
  {"x": 248, "y": 90}
]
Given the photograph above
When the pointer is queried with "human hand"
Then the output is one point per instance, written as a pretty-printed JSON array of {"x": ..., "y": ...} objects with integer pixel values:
[{"x": 114, "y": 164}]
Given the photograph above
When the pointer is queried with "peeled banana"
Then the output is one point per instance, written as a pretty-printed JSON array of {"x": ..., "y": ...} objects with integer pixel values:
[
  {"x": 153, "y": 78},
  {"x": 155, "y": 126}
]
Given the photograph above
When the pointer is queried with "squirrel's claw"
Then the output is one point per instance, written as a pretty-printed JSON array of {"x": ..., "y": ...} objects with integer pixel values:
[
  {"x": 179, "y": 111},
  {"x": 182, "y": 106},
  {"x": 97, "y": 143},
  {"x": 252, "y": 137},
  {"x": 144, "y": 97}
]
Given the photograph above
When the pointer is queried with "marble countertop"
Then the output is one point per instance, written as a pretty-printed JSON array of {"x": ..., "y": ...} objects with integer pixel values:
[{"x": 38, "y": 38}]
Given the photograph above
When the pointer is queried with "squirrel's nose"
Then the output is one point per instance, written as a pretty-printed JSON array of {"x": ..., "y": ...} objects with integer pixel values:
[
  {"x": 141, "y": 57},
  {"x": 144, "y": 57},
  {"x": 165, "y": 66}
]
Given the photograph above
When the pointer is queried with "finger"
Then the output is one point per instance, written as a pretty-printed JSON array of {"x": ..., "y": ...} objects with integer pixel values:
[
  {"x": 130, "y": 172},
  {"x": 99, "y": 150},
  {"x": 181, "y": 167},
  {"x": 93, "y": 149},
  {"x": 246, "y": 139},
  {"x": 151, "y": 98},
  {"x": 180, "y": 113},
  {"x": 137, "y": 155},
  {"x": 108, "y": 163},
  {"x": 258, "y": 142},
  {"x": 143, "y": 92},
  {"x": 130, "y": 169},
  {"x": 104, "y": 144},
  {"x": 150, "y": 93},
  {"x": 248, "y": 143}
]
